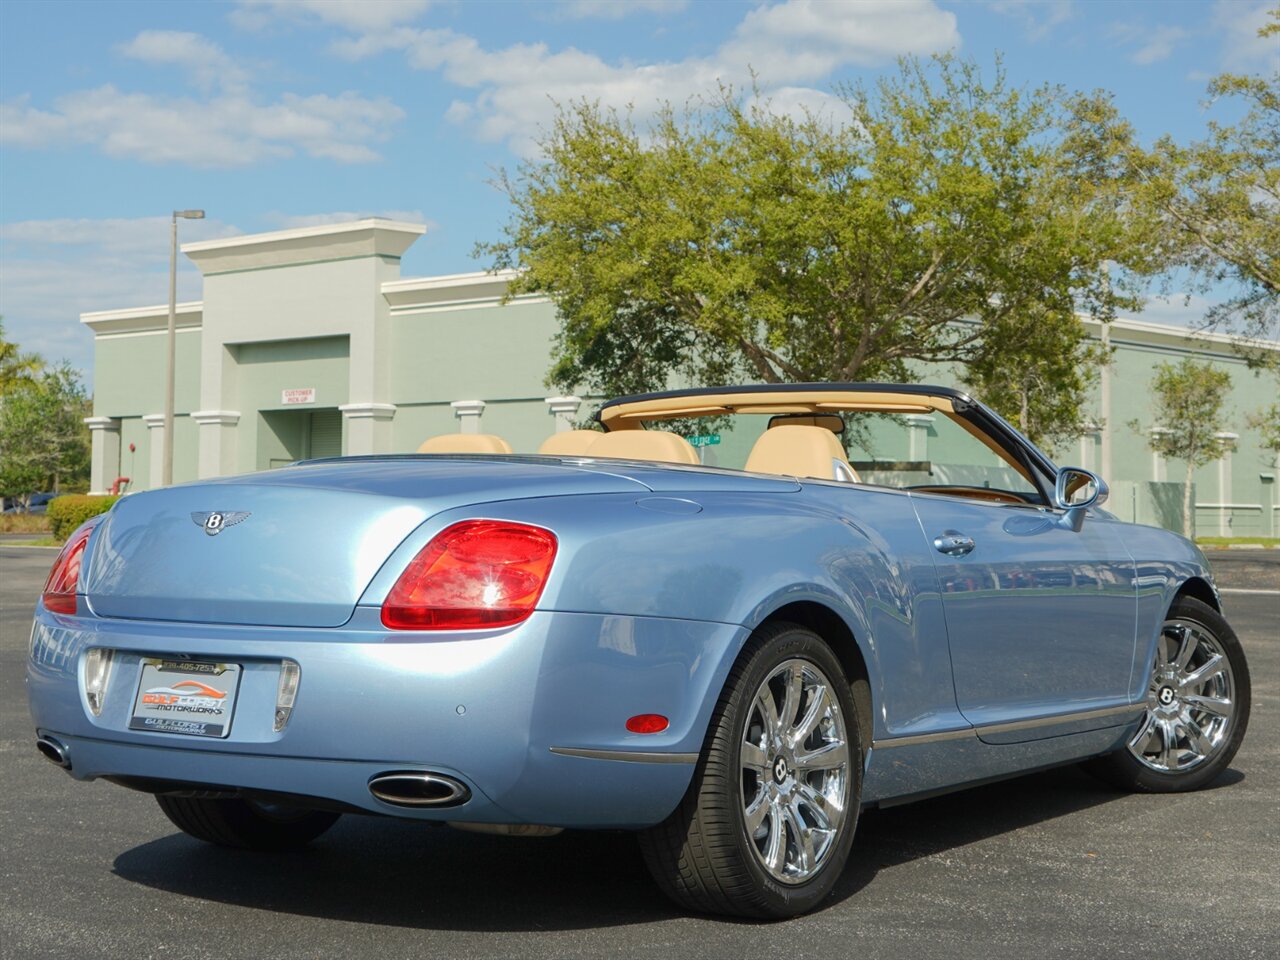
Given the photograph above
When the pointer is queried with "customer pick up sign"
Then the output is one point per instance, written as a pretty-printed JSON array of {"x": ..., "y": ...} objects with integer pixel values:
[{"x": 298, "y": 395}]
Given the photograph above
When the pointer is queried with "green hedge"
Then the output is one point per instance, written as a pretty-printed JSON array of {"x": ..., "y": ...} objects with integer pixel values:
[{"x": 67, "y": 513}]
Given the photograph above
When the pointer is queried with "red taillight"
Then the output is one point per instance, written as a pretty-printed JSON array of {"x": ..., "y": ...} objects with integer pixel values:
[
  {"x": 474, "y": 574},
  {"x": 60, "y": 589}
]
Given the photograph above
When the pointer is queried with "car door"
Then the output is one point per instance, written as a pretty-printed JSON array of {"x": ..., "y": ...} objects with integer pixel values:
[{"x": 1041, "y": 618}]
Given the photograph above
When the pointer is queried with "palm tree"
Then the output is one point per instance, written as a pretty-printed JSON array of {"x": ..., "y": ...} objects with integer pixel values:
[{"x": 16, "y": 369}]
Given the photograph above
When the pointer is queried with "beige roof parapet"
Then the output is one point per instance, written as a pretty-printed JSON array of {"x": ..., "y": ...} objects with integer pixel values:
[{"x": 334, "y": 241}]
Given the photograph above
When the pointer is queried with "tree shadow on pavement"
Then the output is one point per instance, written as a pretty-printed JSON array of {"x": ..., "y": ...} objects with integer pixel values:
[{"x": 411, "y": 874}]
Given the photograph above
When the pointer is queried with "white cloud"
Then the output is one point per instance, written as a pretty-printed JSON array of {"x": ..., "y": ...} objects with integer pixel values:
[
  {"x": 1242, "y": 48},
  {"x": 1159, "y": 45},
  {"x": 51, "y": 271},
  {"x": 1151, "y": 44},
  {"x": 359, "y": 16},
  {"x": 286, "y": 221},
  {"x": 789, "y": 44},
  {"x": 227, "y": 130},
  {"x": 617, "y": 9},
  {"x": 1039, "y": 17},
  {"x": 806, "y": 39},
  {"x": 209, "y": 66}
]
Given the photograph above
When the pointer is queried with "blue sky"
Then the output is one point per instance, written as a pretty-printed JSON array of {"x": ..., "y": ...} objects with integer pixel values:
[{"x": 279, "y": 113}]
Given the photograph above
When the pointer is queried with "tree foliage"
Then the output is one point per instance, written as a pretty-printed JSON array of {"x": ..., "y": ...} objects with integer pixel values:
[
  {"x": 1040, "y": 375},
  {"x": 1189, "y": 399},
  {"x": 939, "y": 218},
  {"x": 44, "y": 443},
  {"x": 17, "y": 369},
  {"x": 1214, "y": 204}
]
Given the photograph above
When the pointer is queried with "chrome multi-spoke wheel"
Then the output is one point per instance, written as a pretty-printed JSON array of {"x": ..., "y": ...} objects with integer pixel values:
[
  {"x": 795, "y": 771},
  {"x": 767, "y": 824},
  {"x": 1190, "y": 701},
  {"x": 1197, "y": 707}
]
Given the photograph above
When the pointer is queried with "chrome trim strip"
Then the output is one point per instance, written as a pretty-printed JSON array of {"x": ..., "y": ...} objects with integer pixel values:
[
  {"x": 632, "y": 756},
  {"x": 919, "y": 738},
  {"x": 1134, "y": 708},
  {"x": 1010, "y": 727}
]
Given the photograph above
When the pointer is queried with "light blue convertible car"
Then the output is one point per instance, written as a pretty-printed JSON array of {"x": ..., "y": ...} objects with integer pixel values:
[{"x": 876, "y": 593}]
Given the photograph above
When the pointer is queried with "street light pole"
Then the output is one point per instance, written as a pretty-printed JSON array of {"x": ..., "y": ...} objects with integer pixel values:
[{"x": 167, "y": 470}]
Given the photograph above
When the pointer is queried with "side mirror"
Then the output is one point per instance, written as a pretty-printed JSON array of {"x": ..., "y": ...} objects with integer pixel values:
[{"x": 1075, "y": 492}]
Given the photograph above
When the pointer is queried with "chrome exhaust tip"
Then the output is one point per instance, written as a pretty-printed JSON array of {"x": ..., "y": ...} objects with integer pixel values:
[
  {"x": 54, "y": 752},
  {"x": 416, "y": 788}
]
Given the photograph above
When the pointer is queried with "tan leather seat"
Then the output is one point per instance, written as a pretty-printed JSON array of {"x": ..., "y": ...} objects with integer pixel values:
[
  {"x": 465, "y": 443},
  {"x": 656, "y": 445},
  {"x": 570, "y": 443},
  {"x": 801, "y": 451}
]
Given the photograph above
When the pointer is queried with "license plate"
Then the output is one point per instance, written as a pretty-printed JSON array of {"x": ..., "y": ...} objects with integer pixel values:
[{"x": 193, "y": 697}]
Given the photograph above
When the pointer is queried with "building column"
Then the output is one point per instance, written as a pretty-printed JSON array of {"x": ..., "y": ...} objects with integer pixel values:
[
  {"x": 564, "y": 409},
  {"x": 1269, "y": 505},
  {"x": 468, "y": 413},
  {"x": 1104, "y": 404},
  {"x": 1159, "y": 471},
  {"x": 217, "y": 443},
  {"x": 1088, "y": 441},
  {"x": 368, "y": 428},
  {"x": 918, "y": 435},
  {"x": 105, "y": 461},
  {"x": 1227, "y": 443},
  {"x": 155, "y": 437}
]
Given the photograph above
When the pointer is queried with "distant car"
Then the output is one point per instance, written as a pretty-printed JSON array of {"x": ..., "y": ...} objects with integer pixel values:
[
  {"x": 38, "y": 503},
  {"x": 730, "y": 662}
]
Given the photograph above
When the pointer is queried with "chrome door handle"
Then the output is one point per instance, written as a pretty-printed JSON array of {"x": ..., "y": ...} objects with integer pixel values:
[{"x": 953, "y": 544}]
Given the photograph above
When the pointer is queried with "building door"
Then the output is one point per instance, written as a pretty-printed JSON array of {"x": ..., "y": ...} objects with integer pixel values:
[
  {"x": 325, "y": 434},
  {"x": 291, "y": 435}
]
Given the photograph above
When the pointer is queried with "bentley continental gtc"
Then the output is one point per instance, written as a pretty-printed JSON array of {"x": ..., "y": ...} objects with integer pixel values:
[{"x": 874, "y": 593}]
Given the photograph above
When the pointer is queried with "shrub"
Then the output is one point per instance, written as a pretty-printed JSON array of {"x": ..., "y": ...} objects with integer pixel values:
[{"x": 67, "y": 513}]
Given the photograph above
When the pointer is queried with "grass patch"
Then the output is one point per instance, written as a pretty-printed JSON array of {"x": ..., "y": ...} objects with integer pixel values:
[
  {"x": 42, "y": 542},
  {"x": 1272, "y": 542},
  {"x": 24, "y": 523}
]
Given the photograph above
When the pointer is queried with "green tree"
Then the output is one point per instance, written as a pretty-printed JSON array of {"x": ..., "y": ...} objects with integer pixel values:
[
  {"x": 938, "y": 216},
  {"x": 1267, "y": 423},
  {"x": 1189, "y": 399},
  {"x": 17, "y": 369},
  {"x": 44, "y": 443},
  {"x": 1213, "y": 203},
  {"x": 1039, "y": 375}
]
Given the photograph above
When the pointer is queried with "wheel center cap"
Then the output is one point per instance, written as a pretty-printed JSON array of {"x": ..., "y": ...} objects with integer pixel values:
[
  {"x": 779, "y": 770},
  {"x": 1166, "y": 696}
]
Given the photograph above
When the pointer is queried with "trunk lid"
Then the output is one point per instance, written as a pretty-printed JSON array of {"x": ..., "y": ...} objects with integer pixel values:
[{"x": 296, "y": 546}]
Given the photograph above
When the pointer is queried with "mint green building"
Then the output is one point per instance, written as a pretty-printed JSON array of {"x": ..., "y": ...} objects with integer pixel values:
[{"x": 308, "y": 343}]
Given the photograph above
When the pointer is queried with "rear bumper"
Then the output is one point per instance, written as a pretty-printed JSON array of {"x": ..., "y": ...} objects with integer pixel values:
[{"x": 483, "y": 707}]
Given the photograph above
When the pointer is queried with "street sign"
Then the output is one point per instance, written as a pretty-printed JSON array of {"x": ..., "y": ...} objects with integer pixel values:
[{"x": 705, "y": 440}]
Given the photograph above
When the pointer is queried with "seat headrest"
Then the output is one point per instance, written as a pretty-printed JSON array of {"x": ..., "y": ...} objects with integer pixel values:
[
  {"x": 832, "y": 421},
  {"x": 801, "y": 451},
  {"x": 570, "y": 443},
  {"x": 465, "y": 443},
  {"x": 657, "y": 445}
]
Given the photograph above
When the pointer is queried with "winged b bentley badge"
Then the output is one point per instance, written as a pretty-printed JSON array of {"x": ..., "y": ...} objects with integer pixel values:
[{"x": 214, "y": 522}]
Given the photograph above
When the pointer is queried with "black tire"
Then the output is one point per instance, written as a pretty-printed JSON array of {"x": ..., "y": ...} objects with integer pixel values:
[
  {"x": 701, "y": 855},
  {"x": 1124, "y": 770},
  {"x": 246, "y": 824}
]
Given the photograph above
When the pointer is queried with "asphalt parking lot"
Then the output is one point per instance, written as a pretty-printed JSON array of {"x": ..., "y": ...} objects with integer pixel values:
[{"x": 1050, "y": 865}]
